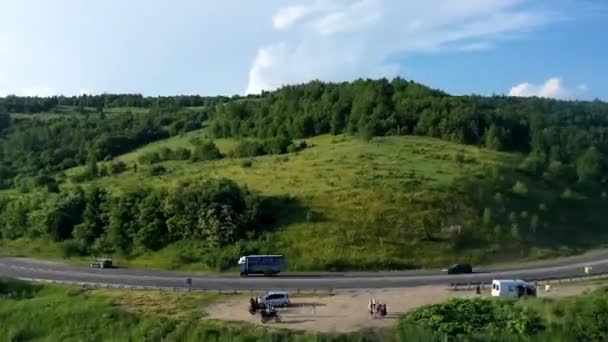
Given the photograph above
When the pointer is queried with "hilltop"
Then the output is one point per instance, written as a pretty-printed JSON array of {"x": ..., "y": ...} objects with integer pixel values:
[{"x": 361, "y": 175}]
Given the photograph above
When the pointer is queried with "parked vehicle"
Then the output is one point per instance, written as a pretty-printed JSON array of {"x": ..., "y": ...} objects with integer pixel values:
[
  {"x": 268, "y": 314},
  {"x": 254, "y": 305},
  {"x": 512, "y": 288},
  {"x": 277, "y": 298},
  {"x": 267, "y": 265},
  {"x": 460, "y": 269},
  {"x": 102, "y": 263}
]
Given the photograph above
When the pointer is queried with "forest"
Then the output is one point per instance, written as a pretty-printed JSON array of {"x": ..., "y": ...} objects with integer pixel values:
[{"x": 564, "y": 144}]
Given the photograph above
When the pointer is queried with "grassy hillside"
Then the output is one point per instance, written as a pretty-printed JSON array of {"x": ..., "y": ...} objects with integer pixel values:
[
  {"x": 351, "y": 196},
  {"x": 354, "y": 204},
  {"x": 410, "y": 177}
]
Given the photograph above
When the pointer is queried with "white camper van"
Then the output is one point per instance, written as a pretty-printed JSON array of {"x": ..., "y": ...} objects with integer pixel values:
[{"x": 511, "y": 288}]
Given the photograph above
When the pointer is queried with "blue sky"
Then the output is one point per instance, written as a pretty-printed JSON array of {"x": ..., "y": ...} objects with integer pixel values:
[{"x": 520, "y": 47}]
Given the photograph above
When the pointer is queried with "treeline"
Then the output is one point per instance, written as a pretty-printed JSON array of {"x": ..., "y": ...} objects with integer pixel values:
[
  {"x": 17, "y": 104},
  {"x": 32, "y": 148},
  {"x": 207, "y": 150},
  {"x": 552, "y": 131},
  {"x": 217, "y": 212}
]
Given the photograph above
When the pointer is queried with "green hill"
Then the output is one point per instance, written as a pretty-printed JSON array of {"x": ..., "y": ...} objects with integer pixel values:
[{"x": 362, "y": 175}]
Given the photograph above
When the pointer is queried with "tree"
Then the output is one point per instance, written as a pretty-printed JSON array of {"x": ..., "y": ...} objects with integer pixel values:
[
  {"x": 520, "y": 188},
  {"x": 15, "y": 220},
  {"x": 61, "y": 219},
  {"x": 122, "y": 219},
  {"x": 94, "y": 217},
  {"x": 92, "y": 169},
  {"x": 153, "y": 232},
  {"x": 534, "y": 223},
  {"x": 487, "y": 217},
  {"x": 591, "y": 165},
  {"x": 206, "y": 150},
  {"x": 5, "y": 118},
  {"x": 494, "y": 138}
]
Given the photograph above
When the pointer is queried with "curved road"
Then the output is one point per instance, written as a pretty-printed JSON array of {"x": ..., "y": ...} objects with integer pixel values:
[{"x": 36, "y": 269}]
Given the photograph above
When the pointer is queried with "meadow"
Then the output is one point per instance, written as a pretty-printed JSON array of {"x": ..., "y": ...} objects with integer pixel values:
[
  {"x": 352, "y": 204},
  {"x": 56, "y": 313}
]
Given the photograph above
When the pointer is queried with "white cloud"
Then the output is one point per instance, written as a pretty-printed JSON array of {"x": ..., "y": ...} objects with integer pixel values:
[
  {"x": 552, "y": 88},
  {"x": 341, "y": 40},
  {"x": 356, "y": 17},
  {"x": 288, "y": 16}
]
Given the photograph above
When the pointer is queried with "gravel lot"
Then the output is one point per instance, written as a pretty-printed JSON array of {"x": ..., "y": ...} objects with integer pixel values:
[{"x": 346, "y": 311}]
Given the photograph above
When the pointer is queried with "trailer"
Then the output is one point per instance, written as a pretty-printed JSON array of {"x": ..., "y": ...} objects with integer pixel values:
[
  {"x": 267, "y": 265},
  {"x": 514, "y": 288}
]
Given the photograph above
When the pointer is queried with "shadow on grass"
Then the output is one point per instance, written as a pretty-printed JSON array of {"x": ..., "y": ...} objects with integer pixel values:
[
  {"x": 17, "y": 289},
  {"x": 285, "y": 210}
]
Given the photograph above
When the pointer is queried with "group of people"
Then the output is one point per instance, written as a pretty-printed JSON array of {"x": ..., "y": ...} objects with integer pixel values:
[{"x": 376, "y": 308}]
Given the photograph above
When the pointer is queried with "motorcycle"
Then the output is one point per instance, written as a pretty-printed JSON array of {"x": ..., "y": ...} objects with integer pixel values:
[{"x": 268, "y": 315}]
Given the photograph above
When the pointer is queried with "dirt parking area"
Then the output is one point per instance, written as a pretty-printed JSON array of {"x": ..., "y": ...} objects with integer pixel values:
[{"x": 344, "y": 311}]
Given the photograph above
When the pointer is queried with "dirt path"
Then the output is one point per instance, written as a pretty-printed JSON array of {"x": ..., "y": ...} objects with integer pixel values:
[{"x": 342, "y": 312}]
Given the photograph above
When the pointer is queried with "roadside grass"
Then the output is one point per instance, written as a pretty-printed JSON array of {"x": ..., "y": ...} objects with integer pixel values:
[
  {"x": 55, "y": 313},
  {"x": 171, "y": 305},
  {"x": 26, "y": 247}
]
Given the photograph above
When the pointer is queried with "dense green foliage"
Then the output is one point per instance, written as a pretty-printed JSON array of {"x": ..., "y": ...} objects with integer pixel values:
[
  {"x": 217, "y": 212},
  {"x": 15, "y": 104},
  {"x": 552, "y": 131},
  {"x": 462, "y": 317},
  {"x": 581, "y": 318},
  {"x": 32, "y": 149}
]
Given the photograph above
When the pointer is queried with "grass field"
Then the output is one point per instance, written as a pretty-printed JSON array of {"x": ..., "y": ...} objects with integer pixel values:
[
  {"x": 352, "y": 202},
  {"x": 56, "y": 313},
  {"x": 350, "y": 195},
  {"x": 53, "y": 313}
]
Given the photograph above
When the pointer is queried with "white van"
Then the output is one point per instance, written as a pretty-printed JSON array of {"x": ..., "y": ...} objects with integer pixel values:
[
  {"x": 509, "y": 288},
  {"x": 277, "y": 298}
]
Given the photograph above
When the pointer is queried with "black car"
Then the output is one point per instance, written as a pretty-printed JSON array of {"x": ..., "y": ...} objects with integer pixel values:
[{"x": 460, "y": 269}]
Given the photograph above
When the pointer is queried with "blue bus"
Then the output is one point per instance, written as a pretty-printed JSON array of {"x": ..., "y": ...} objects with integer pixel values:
[{"x": 267, "y": 265}]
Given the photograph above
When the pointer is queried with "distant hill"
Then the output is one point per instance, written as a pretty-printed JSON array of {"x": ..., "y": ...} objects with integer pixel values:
[{"x": 371, "y": 174}]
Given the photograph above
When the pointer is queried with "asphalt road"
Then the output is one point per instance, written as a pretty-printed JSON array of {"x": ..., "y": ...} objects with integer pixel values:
[{"x": 37, "y": 269}]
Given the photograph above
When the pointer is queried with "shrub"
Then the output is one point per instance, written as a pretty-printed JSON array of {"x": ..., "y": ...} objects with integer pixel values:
[
  {"x": 248, "y": 148},
  {"x": 462, "y": 317},
  {"x": 568, "y": 194},
  {"x": 532, "y": 165},
  {"x": 293, "y": 147},
  {"x": 206, "y": 150},
  {"x": 520, "y": 188},
  {"x": 182, "y": 153},
  {"x": 149, "y": 158},
  {"x": 165, "y": 153},
  {"x": 157, "y": 170},
  {"x": 83, "y": 176},
  {"x": 246, "y": 163},
  {"x": 118, "y": 167},
  {"x": 72, "y": 248}
]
